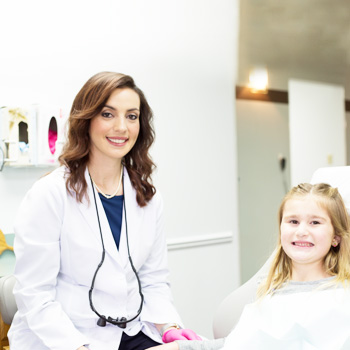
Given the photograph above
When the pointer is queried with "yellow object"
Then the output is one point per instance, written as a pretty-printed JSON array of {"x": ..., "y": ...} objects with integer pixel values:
[
  {"x": 3, "y": 245},
  {"x": 4, "y": 328}
]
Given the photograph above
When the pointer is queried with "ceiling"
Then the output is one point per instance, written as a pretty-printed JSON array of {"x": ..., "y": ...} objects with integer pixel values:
[{"x": 300, "y": 39}]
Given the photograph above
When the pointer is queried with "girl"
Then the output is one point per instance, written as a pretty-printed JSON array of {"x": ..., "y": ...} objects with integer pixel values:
[
  {"x": 304, "y": 303},
  {"x": 91, "y": 264}
]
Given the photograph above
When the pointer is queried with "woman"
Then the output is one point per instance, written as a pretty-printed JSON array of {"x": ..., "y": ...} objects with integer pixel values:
[{"x": 91, "y": 264}]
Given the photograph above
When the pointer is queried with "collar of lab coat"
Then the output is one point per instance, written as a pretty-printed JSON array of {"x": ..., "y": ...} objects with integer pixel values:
[{"x": 134, "y": 215}]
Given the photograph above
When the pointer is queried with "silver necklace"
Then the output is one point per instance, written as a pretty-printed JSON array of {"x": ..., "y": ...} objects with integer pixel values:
[{"x": 109, "y": 196}]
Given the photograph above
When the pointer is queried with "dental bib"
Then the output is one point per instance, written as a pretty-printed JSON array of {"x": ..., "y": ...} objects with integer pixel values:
[{"x": 316, "y": 320}]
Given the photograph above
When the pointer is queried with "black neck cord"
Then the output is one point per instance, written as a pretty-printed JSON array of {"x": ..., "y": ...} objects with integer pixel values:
[{"x": 120, "y": 322}]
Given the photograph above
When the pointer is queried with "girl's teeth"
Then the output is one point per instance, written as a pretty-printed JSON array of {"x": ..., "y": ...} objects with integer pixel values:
[{"x": 304, "y": 244}]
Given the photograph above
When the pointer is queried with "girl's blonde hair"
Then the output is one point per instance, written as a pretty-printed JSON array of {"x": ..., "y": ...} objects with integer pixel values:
[{"x": 337, "y": 260}]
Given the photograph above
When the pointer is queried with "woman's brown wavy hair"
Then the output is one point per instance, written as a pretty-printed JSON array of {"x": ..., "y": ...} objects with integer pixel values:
[{"x": 75, "y": 155}]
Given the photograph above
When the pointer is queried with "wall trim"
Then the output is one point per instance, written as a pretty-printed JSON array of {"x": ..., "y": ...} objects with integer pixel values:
[
  {"x": 279, "y": 96},
  {"x": 199, "y": 240}
]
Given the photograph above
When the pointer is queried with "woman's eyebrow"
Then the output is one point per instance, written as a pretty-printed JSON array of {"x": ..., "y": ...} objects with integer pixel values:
[
  {"x": 110, "y": 107},
  {"x": 114, "y": 109}
]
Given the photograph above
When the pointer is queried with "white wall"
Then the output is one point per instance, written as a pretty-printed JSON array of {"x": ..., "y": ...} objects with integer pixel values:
[
  {"x": 183, "y": 55},
  {"x": 262, "y": 136},
  {"x": 316, "y": 128}
]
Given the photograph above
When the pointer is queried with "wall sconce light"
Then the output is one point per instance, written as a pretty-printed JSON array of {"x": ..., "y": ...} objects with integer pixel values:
[{"x": 258, "y": 80}]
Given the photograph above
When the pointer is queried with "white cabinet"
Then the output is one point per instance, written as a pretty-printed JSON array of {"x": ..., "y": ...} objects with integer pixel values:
[{"x": 31, "y": 135}]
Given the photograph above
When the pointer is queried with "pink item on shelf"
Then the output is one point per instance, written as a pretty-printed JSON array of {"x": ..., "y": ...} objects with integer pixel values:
[
  {"x": 52, "y": 140},
  {"x": 179, "y": 334}
]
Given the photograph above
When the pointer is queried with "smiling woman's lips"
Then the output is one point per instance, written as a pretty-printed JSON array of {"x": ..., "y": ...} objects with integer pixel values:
[{"x": 117, "y": 141}]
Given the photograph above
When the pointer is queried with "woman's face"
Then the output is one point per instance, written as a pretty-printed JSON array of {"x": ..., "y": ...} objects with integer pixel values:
[{"x": 114, "y": 131}]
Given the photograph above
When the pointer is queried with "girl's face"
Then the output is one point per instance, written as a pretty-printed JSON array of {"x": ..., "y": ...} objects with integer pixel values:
[
  {"x": 307, "y": 234},
  {"x": 114, "y": 132}
]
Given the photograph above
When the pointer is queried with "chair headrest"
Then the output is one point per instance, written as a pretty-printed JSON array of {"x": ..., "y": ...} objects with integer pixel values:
[{"x": 338, "y": 177}]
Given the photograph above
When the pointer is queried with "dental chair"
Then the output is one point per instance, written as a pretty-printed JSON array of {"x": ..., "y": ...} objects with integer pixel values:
[{"x": 230, "y": 309}]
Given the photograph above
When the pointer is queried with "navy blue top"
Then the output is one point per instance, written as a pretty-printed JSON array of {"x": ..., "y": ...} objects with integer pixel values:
[{"x": 114, "y": 211}]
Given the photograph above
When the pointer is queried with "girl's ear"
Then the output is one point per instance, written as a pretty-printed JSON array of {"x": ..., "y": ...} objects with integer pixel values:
[{"x": 336, "y": 240}]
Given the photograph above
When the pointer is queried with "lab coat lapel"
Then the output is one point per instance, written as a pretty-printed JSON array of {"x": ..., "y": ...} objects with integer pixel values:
[
  {"x": 134, "y": 215},
  {"x": 89, "y": 212}
]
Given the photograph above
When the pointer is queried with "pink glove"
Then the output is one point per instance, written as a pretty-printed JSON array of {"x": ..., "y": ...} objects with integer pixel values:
[{"x": 179, "y": 334}]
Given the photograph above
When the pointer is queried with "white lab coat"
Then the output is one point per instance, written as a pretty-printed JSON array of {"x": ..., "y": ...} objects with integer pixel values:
[{"x": 58, "y": 247}]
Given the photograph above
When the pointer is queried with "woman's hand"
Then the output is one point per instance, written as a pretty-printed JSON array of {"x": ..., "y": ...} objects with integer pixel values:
[
  {"x": 169, "y": 346},
  {"x": 83, "y": 348}
]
